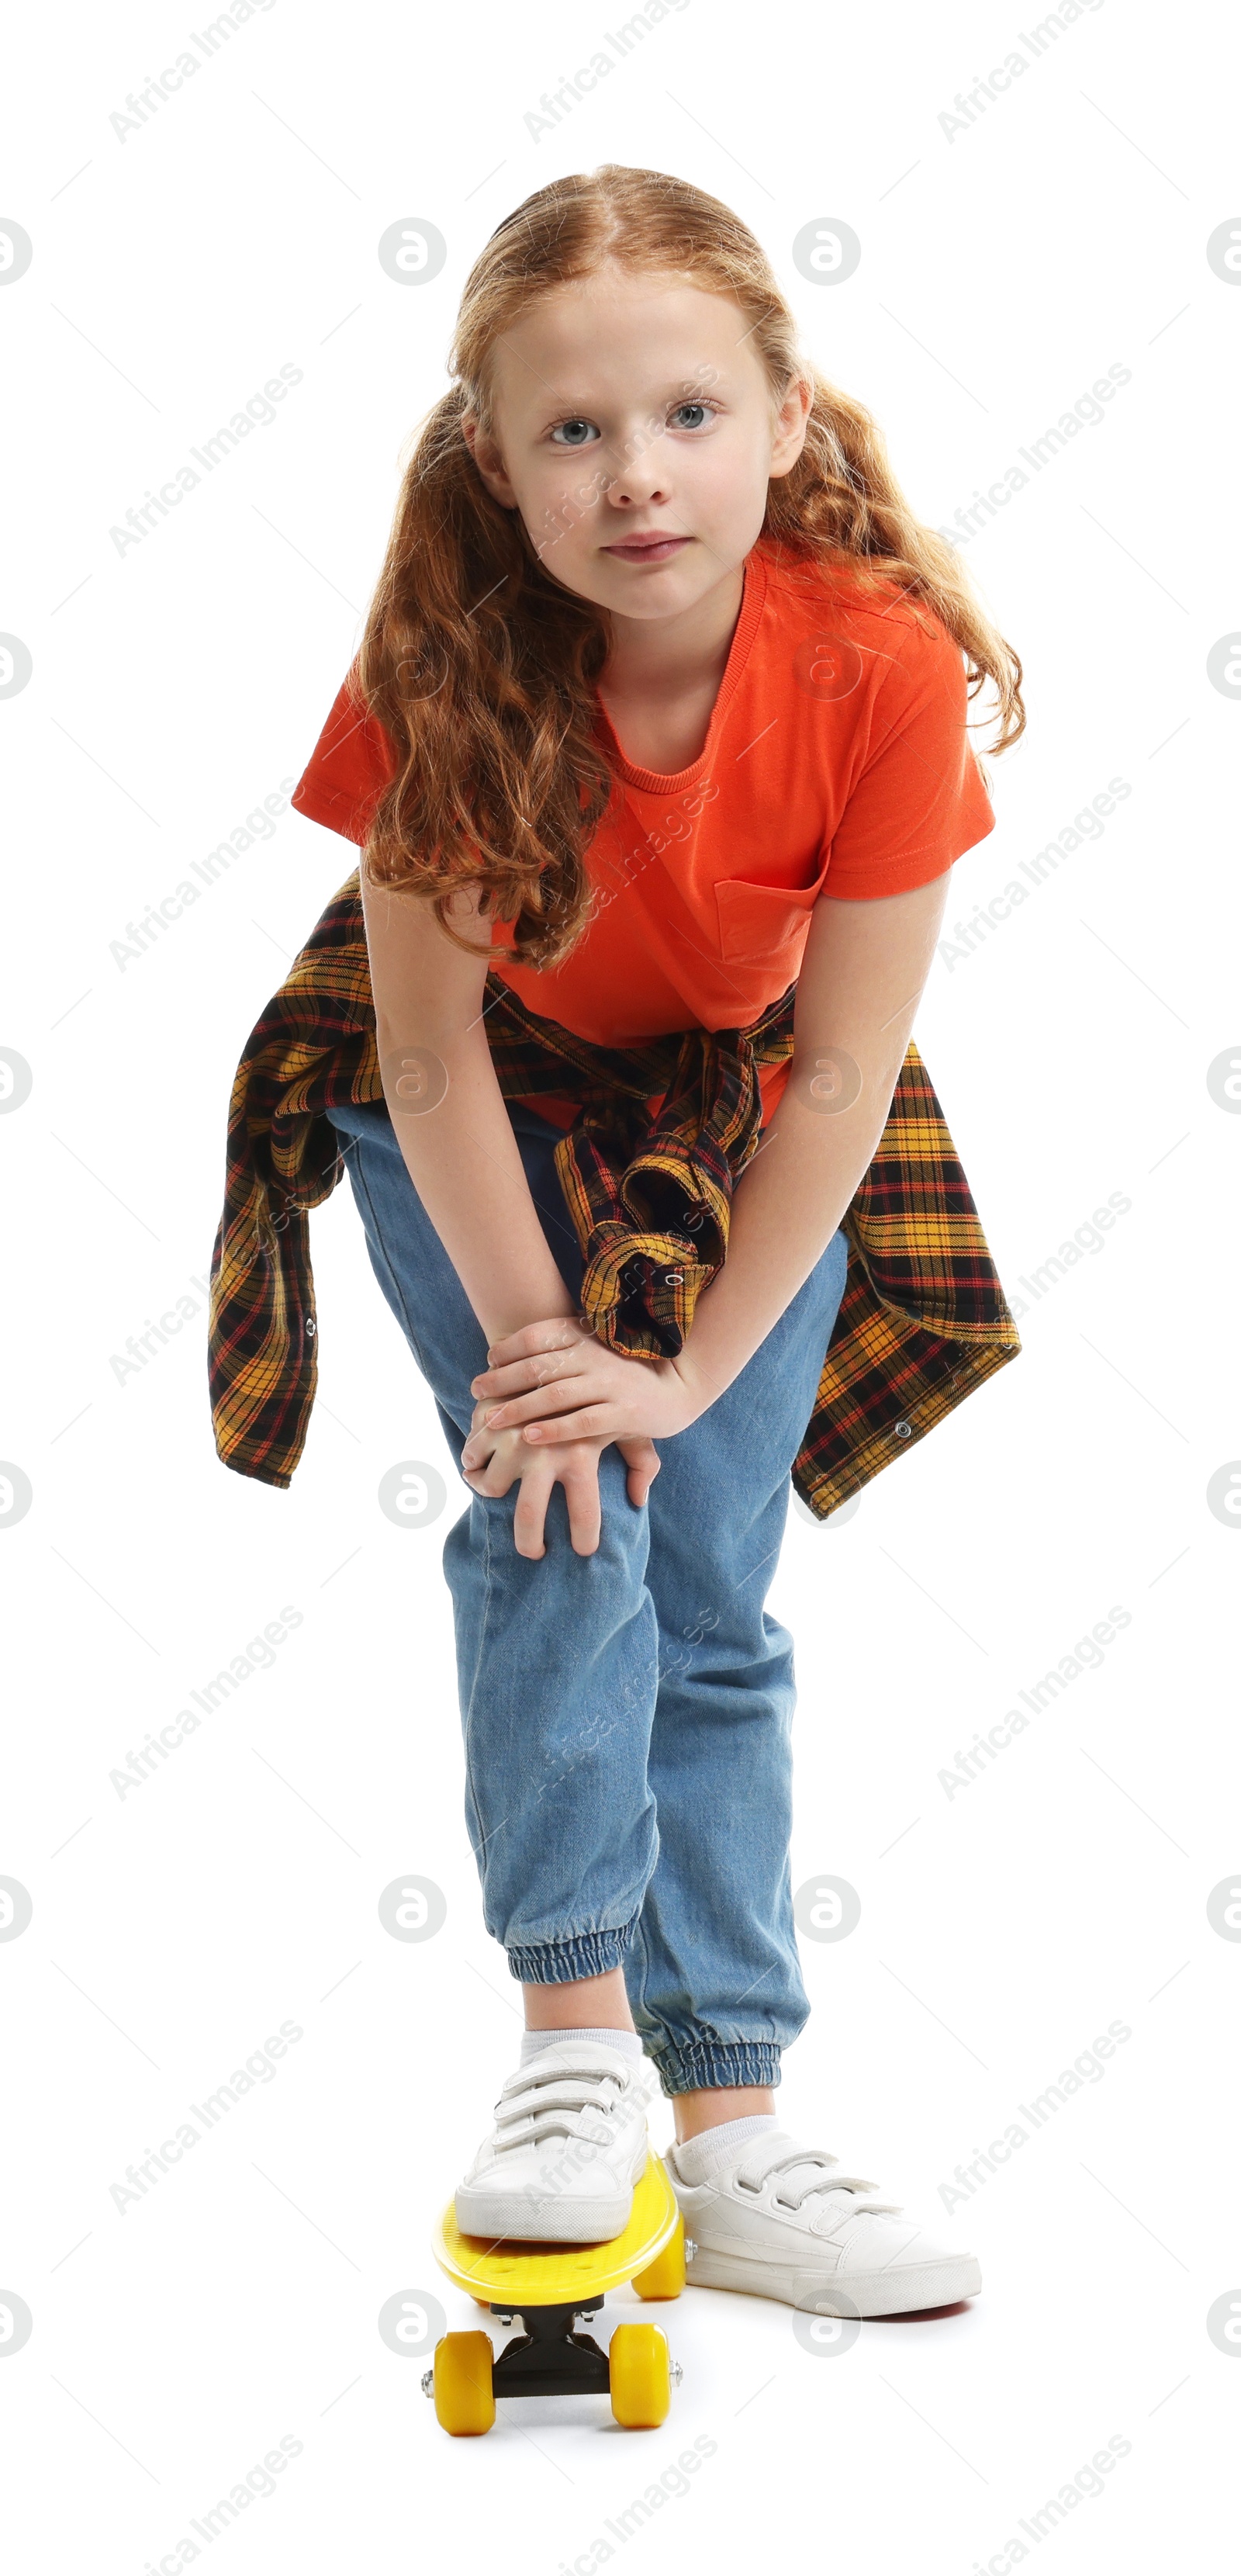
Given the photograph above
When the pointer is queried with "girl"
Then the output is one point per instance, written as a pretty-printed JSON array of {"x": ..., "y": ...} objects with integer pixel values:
[{"x": 656, "y": 750}]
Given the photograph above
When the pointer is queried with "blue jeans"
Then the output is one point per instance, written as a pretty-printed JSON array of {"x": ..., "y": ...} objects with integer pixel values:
[{"x": 627, "y": 1716}]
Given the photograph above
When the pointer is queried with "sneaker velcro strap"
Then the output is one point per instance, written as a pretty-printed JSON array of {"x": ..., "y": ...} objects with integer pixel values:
[
  {"x": 539, "y": 2128},
  {"x": 569, "y": 2093},
  {"x": 773, "y": 2155}
]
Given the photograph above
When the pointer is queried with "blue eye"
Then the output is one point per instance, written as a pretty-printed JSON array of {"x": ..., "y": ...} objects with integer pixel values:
[
  {"x": 700, "y": 407},
  {"x": 571, "y": 428}
]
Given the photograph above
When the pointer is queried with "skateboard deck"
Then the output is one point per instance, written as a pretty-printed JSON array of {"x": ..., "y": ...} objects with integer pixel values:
[
  {"x": 508, "y": 2270},
  {"x": 548, "y": 2288}
]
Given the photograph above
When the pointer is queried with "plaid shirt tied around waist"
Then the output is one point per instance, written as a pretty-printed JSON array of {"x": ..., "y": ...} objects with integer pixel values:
[{"x": 922, "y": 1322}]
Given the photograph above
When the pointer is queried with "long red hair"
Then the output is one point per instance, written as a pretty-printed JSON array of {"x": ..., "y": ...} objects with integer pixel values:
[{"x": 481, "y": 667}]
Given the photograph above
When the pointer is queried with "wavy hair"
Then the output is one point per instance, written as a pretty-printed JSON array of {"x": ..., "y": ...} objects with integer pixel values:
[{"x": 481, "y": 667}]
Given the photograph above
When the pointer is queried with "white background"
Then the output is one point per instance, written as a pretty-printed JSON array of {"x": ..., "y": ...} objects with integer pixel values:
[{"x": 1003, "y": 1927}]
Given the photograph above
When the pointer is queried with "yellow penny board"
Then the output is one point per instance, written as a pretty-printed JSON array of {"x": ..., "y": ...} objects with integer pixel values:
[{"x": 549, "y": 2276}]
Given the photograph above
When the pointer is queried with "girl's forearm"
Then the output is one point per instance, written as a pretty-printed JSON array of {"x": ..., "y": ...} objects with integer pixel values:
[
  {"x": 863, "y": 972},
  {"x": 786, "y": 1208},
  {"x": 463, "y": 1159}
]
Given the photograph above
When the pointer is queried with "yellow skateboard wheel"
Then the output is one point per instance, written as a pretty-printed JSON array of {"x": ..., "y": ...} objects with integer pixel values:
[
  {"x": 464, "y": 2402},
  {"x": 665, "y": 2277},
  {"x": 638, "y": 2376}
]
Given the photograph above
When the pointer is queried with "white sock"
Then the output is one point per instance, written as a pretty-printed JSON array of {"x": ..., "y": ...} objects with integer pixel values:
[
  {"x": 533, "y": 2041},
  {"x": 698, "y": 2158}
]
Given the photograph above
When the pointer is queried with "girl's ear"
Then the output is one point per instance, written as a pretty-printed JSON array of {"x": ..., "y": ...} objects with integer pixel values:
[
  {"x": 792, "y": 420},
  {"x": 487, "y": 458}
]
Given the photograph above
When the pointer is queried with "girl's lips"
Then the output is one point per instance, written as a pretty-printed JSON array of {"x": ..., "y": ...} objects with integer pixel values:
[{"x": 636, "y": 551}]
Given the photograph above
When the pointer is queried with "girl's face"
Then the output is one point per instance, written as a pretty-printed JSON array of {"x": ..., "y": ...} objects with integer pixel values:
[{"x": 633, "y": 428}]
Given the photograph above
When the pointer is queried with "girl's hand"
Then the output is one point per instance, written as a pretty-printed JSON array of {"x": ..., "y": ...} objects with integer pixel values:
[
  {"x": 492, "y": 1460},
  {"x": 553, "y": 1382}
]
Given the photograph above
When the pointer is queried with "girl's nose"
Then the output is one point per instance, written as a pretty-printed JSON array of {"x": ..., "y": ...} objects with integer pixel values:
[{"x": 637, "y": 471}]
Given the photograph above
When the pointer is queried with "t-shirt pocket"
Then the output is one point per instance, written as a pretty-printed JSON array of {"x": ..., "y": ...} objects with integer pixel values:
[{"x": 763, "y": 920}]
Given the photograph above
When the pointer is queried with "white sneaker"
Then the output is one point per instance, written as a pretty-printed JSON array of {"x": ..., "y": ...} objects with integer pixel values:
[
  {"x": 568, "y": 2146},
  {"x": 784, "y": 2222}
]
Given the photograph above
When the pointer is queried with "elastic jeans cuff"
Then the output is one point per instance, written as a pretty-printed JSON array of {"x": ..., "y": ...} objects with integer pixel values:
[
  {"x": 561, "y": 1963},
  {"x": 691, "y": 2066}
]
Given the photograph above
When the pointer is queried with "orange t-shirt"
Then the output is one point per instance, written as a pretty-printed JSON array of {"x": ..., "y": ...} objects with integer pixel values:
[{"x": 836, "y": 762}]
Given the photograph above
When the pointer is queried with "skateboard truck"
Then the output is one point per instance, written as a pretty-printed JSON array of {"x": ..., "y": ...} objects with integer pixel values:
[{"x": 550, "y": 2359}]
